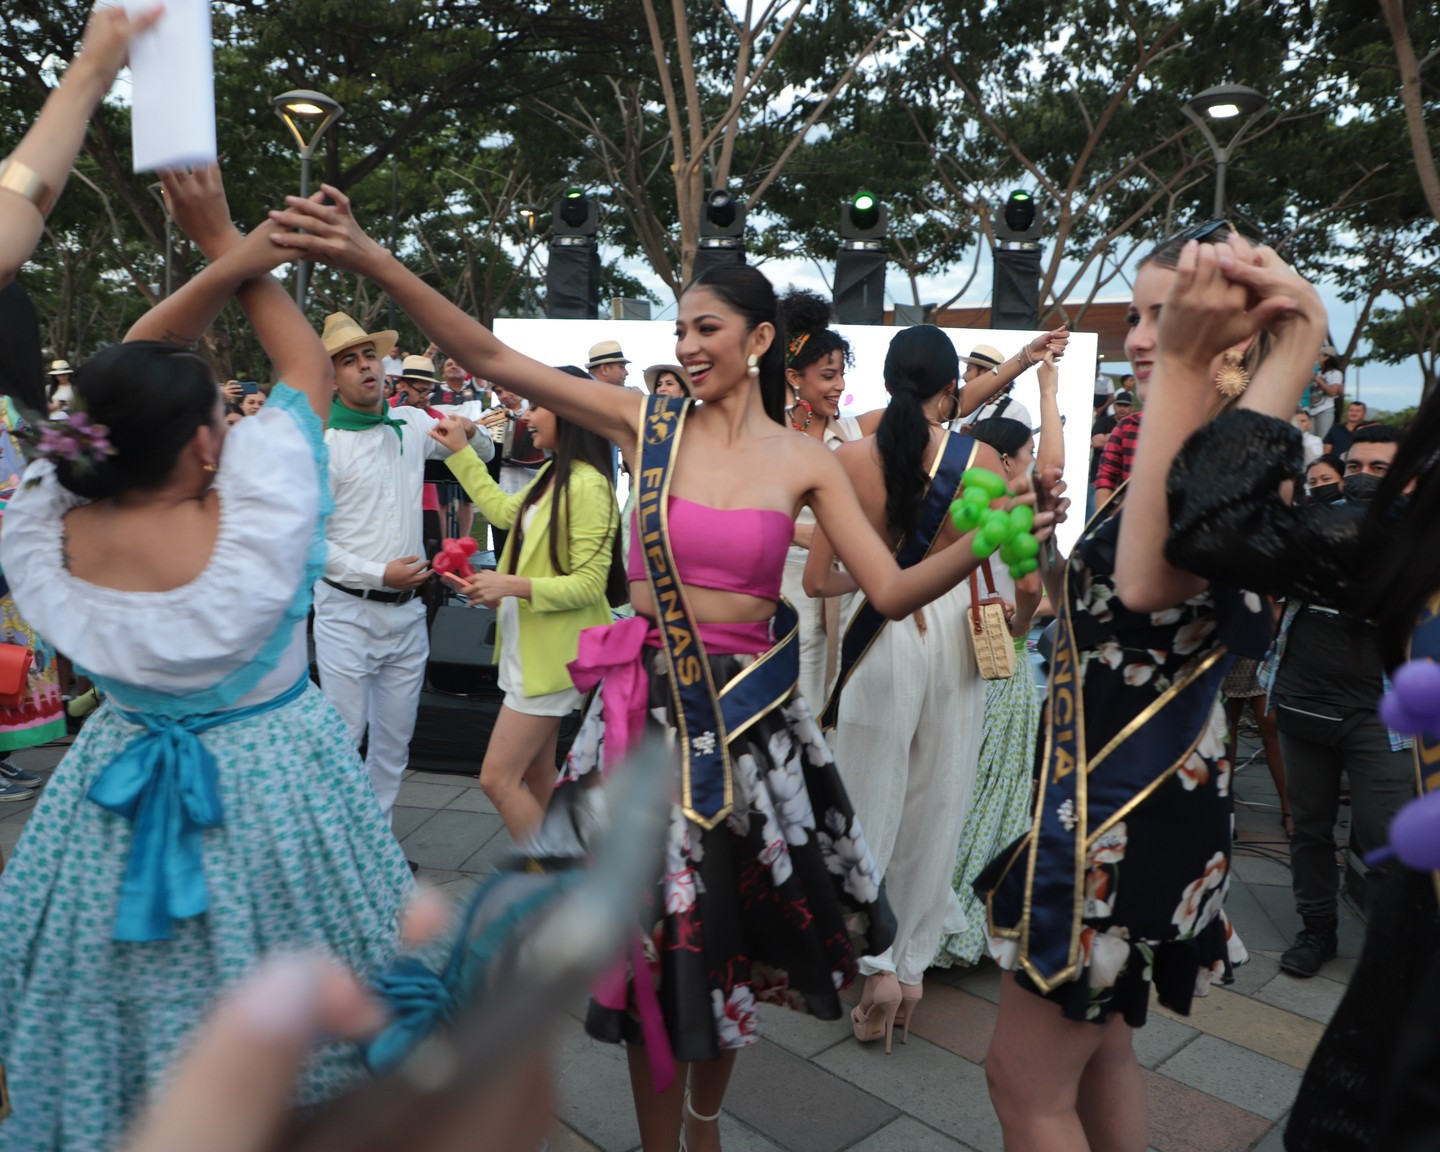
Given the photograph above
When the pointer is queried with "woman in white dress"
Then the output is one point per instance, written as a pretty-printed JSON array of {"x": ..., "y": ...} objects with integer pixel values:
[
  {"x": 213, "y": 809},
  {"x": 816, "y": 357}
]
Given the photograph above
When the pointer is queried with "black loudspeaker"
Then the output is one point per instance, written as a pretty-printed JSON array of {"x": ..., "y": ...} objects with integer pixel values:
[
  {"x": 462, "y": 649},
  {"x": 860, "y": 285},
  {"x": 1015, "y": 301}
]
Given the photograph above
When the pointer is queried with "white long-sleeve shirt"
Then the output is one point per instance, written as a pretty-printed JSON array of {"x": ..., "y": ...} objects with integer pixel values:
[{"x": 377, "y": 490}]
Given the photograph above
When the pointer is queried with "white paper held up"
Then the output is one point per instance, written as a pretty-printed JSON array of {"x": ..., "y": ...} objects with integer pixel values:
[{"x": 172, "y": 68}]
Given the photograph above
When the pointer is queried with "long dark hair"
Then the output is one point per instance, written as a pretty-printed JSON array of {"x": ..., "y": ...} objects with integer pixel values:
[
  {"x": 1407, "y": 573},
  {"x": 746, "y": 290},
  {"x": 921, "y": 361},
  {"x": 22, "y": 367},
  {"x": 808, "y": 334},
  {"x": 574, "y": 444},
  {"x": 152, "y": 397}
]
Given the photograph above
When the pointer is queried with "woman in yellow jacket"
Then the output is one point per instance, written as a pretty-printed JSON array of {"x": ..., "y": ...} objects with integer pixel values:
[{"x": 551, "y": 583}]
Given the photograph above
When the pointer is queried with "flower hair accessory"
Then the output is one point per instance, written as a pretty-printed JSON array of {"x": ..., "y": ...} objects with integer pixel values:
[
  {"x": 792, "y": 350},
  {"x": 76, "y": 440}
]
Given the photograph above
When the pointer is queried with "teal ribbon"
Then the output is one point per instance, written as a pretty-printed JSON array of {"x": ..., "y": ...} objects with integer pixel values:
[{"x": 166, "y": 784}]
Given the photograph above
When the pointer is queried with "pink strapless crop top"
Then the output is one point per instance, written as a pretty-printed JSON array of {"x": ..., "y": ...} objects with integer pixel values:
[{"x": 731, "y": 549}]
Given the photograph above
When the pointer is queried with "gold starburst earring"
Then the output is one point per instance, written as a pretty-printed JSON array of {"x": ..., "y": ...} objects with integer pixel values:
[{"x": 1232, "y": 379}]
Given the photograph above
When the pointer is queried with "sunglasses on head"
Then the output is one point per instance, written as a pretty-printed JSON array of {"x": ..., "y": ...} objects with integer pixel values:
[{"x": 1200, "y": 231}]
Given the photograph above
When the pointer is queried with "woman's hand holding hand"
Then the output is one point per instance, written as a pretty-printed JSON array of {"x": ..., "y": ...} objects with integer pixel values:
[
  {"x": 1048, "y": 375},
  {"x": 1050, "y": 343},
  {"x": 1205, "y": 312},
  {"x": 1297, "y": 312},
  {"x": 450, "y": 431},
  {"x": 330, "y": 233},
  {"x": 196, "y": 199}
]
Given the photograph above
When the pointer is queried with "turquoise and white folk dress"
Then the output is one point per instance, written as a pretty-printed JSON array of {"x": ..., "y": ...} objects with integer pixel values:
[{"x": 174, "y": 848}]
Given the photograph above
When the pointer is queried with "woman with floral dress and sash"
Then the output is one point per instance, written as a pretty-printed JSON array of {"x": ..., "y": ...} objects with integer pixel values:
[
  {"x": 1119, "y": 883},
  {"x": 212, "y": 810},
  {"x": 767, "y": 875}
]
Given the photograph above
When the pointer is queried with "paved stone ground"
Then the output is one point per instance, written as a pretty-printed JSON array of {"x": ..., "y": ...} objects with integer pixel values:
[{"x": 1220, "y": 1081}]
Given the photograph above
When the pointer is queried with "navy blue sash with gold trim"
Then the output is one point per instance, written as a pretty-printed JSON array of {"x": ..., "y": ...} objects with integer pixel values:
[
  {"x": 1425, "y": 645},
  {"x": 1077, "y": 804},
  {"x": 955, "y": 454},
  {"x": 706, "y": 720}
]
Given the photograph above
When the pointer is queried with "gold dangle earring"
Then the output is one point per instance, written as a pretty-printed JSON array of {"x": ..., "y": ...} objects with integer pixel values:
[{"x": 1232, "y": 379}]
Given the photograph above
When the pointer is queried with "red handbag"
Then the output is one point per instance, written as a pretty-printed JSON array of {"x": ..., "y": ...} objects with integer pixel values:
[{"x": 14, "y": 674}]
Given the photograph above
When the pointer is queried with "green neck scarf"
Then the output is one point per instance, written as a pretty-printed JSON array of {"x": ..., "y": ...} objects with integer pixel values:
[{"x": 349, "y": 420}]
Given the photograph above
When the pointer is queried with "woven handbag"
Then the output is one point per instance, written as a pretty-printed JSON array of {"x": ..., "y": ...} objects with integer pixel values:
[
  {"x": 994, "y": 646},
  {"x": 14, "y": 674}
]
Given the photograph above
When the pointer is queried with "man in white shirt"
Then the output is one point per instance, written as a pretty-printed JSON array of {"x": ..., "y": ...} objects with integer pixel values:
[
  {"x": 370, "y": 639},
  {"x": 985, "y": 364}
]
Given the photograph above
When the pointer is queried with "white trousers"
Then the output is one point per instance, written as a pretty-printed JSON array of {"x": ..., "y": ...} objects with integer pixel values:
[
  {"x": 907, "y": 741},
  {"x": 813, "y": 646},
  {"x": 372, "y": 666}
]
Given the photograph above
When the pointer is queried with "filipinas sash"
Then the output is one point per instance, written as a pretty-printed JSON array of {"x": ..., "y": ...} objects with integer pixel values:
[
  {"x": 1077, "y": 805},
  {"x": 955, "y": 454},
  {"x": 706, "y": 720}
]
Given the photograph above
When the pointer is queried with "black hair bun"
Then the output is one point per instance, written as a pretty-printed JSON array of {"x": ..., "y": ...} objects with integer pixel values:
[{"x": 804, "y": 311}]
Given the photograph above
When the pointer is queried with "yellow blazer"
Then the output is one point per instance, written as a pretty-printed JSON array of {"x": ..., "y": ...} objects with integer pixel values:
[{"x": 560, "y": 605}]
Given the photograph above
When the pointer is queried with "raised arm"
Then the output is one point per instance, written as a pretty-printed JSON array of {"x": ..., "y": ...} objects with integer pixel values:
[
  {"x": 1051, "y": 453},
  {"x": 197, "y": 203},
  {"x": 976, "y": 394},
  {"x": 332, "y": 236},
  {"x": 894, "y": 591},
  {"x": 36, "y": 171},
  {"x": 1204, "y": 314}
]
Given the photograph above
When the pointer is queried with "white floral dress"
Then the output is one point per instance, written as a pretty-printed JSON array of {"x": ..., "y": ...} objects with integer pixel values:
[{"x": 1156, "y": 881}]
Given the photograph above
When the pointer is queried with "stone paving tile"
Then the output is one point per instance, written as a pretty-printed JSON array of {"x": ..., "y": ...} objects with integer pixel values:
[
  {"x": 737, "y": 1137},
  {"x": 496, "y": 849},
  {"x": 1274, "y": 1140},
  {"x": 563, "y": 1139},
  {"x": 404, "y": 820},
  {"x": 984, "y": 982},
  {"x": 1160, "y": 1039},
  {"x": 1242, "y": 1077},
  {"x": 436, "y": 877},
  {"x": 798, "y": 1105},
  {"x": 938, "y": 1088},
  {"x": 448, "y": 839},
  {"x": 592, "y": 1088},
  {"x": 1254, "y": 974},
  {"x": 907, "y": 1135},
  {"x": 1184, "y": 1120},
  {"x": 449, "y": 779},
  {"x": 1255, "y": 869},
  {"x": 1279, "y": 905},
  {"x": 1342, "y": 968},
  {"x": 417, "y": 794},
  {"x": 1282, "y": 1036},
  {"x": 955, "y": 1019},
  {"x": 801, "y": 1033},
  {"x": 1316, "y": 997},
  {"x": 472, "y": 800},
  {"x": 1254, "y": 924}
]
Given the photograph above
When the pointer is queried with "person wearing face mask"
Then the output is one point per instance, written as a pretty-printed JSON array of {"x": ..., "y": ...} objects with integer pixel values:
[
  {"x": 1325, "y": 677},
  {"x": 1323, "y": 480}
]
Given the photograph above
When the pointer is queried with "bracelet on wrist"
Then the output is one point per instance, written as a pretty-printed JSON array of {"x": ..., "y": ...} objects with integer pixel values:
[{"x": 26, "y": 183}]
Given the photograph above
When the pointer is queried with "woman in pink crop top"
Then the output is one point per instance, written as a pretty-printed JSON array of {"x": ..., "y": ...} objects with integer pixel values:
[{"x": 761, "y": 905}]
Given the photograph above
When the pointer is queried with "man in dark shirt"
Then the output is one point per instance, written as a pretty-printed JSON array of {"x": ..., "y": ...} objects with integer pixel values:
[
  {"x": 1328, "y": 680},
  {"x": 1341, "y": 436}
]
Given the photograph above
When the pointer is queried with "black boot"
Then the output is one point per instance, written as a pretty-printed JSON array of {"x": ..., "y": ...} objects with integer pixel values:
[{"x": 1314, "y": 945}]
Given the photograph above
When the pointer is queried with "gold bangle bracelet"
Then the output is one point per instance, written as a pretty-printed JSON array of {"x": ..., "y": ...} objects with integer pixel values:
[{"x": 24, "y": 181}]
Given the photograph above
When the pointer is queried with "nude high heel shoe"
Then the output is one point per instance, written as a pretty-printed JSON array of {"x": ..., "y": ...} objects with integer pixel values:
[
  {"x": 874, "y": 1016},
  {"x": 910, "y": 995}
]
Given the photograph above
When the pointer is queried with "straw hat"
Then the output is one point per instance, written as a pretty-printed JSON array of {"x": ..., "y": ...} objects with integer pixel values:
[
  {"x": 984, "y": 356},
  {"x": 606, "y": 352},
  {"x": 653, "y": 372},
  {"x": 60, "y": 368},
  {"x": 417, "y": 368},
  {"x": 342, "y": 332}
]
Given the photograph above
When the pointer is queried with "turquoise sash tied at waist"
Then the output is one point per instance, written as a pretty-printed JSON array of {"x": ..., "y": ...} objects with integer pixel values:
[{"x": 165, "y": 783}]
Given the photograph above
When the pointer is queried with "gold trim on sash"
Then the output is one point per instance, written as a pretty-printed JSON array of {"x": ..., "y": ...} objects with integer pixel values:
[
  {"x": 763, "y": 658},
  {"x": 844, "y": 678}
]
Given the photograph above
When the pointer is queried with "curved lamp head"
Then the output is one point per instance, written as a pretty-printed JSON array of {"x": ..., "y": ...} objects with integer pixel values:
[
  {"x": 308, "y": 115},
  {"x": 1226, "y": 102}
]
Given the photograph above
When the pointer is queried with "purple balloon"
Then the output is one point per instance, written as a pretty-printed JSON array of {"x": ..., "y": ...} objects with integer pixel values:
[
  {"x": 1415, "y": 832},
  {"x": 1398, "y": 716}
]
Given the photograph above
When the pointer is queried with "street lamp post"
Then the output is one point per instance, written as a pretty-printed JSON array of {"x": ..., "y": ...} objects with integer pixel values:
[
  {"x": 1220, "y": 103},
  {"x": 158, "y": 191},
  {"x": 302, "y": 109}
]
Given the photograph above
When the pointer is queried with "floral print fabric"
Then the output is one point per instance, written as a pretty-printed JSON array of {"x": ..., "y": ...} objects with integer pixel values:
[
  {"x": 772, "y": 905},
  {"x": 1155, "y": 879}
]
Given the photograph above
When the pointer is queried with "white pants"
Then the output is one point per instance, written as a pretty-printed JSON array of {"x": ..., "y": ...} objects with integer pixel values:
[
  {"x": 813, "y": 646},
  {"x": 907, "y": 742},
  {"x": 372, "y": 666}
]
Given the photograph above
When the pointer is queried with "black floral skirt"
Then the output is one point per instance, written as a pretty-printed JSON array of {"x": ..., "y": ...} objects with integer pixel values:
[{"x": 772, "y": 905}]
